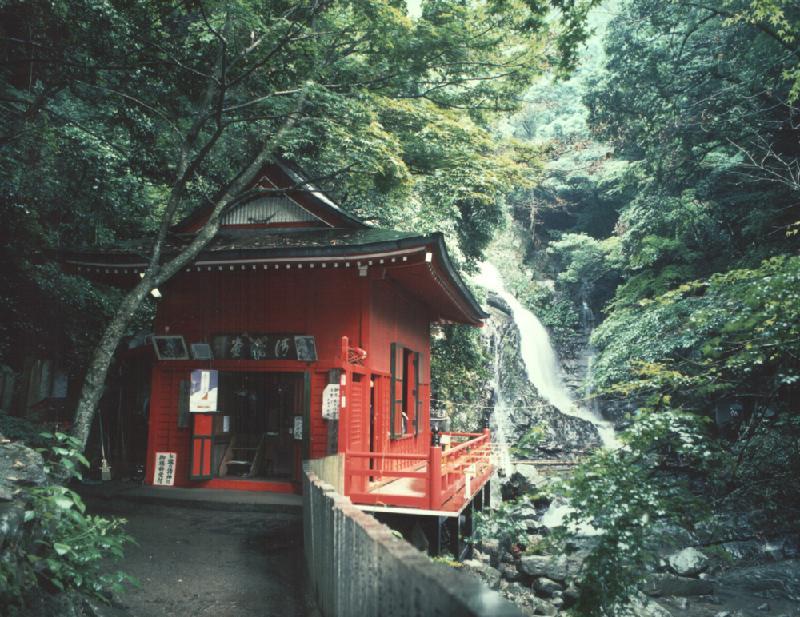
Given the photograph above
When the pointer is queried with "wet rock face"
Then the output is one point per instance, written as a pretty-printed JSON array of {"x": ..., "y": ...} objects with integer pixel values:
[
  {"x": 688, "y": 562},
  {"x": 561, "y": 436},
  {"x": 19, "y": 467},
  {"x": 664, "y": 584}
]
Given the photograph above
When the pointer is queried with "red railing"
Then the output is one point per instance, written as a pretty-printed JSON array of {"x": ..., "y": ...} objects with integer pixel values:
[{"x": 443, "y": 479}]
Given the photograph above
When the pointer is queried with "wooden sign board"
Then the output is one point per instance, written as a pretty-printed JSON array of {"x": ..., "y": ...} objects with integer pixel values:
[
  {"x": 330, "y": 401},
  {"x": 246, "y": 346},
  {"x": 204, "y": 391},
  {"x": 170, "y": 348},
  {"x": 164, "y": 474}
]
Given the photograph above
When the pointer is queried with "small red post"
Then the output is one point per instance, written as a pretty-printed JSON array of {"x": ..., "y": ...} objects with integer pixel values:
[
  {"x": 345, "y": 476},
  {"x": 435, "y": 476}
]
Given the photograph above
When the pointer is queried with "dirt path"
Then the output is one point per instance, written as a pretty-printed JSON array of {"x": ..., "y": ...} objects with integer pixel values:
[{"x": 193, "y": 562}]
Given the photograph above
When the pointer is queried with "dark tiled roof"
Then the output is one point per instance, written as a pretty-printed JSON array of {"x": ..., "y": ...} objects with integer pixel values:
[
  {"x": 275, "y": 241},
  {"x": 245, "y": 244}
]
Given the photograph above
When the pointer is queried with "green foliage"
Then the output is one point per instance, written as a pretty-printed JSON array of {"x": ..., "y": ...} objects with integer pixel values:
[
  {"x": 585, "y": 259},
  {"x": 63, "y": 548},
  {"x": 628, "y": 494},
  {"x": 130, "y": 115},
  {"x": 779, "y": 19},
  {"x": 528, "y": 444},
  {"x": 502, "y": 523},
  {"x": 736, "y": 331},
  {"x": 672, "y": 206},
  {"x": 460, "y": 367}
]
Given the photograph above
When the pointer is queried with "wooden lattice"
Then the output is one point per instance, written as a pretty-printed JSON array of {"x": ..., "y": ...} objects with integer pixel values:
[{"x": 356, "y": 355}]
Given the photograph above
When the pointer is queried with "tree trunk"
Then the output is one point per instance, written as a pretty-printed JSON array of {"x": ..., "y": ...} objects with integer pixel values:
[
  {"x": 158, "y": 273},
  {"x": 155, "y": 275},
  {"x": 95, "y": 379}
]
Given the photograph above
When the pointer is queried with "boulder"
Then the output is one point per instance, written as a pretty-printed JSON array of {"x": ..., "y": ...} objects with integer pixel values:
[
  {"x": 669, "y": 538},
  {"x": 517, "y": 486},
  {"x": 555, "y": 567},
  {"x": 570, "y": 595},
  {"x": 479, "y": 556},
  {"x": 542, "y": 607},
  {"x": 534, "y": 539},
  {"x": 688, "y": 562},
  {"x": 19, "y": 465},
  {"x": 672, "y": 585},
  {"x": 509, "y": 572},
  {"x": 525, "y": 511},
  {"x": 640, "y": 606},
  {"x": 491, "y": 546},
  {"x": 546, "y": 587},
  {"x": 489, "y": 575},
  {"x": 530, "y": 473},
  {"x": 743, "y": 549},
  {"x": 775, "y": 579},
  {"x": 725, "y": 528}
]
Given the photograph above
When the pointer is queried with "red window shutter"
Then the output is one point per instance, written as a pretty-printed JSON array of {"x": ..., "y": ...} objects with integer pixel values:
[{"x": 202, "y": 430}]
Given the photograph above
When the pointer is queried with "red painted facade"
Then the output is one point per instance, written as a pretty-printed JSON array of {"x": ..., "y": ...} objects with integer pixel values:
[
  {"x": 368, "y": 298},
  {"x": 327, "y": 303}
]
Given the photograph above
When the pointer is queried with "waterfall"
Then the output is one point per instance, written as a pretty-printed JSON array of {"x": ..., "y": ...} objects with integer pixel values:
[{"x": 541, "y": 362}]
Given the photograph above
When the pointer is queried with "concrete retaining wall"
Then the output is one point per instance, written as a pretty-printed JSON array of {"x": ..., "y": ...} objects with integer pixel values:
[
  {"x": 330, "y": 470},
  {"x": 359, "y": 568}
]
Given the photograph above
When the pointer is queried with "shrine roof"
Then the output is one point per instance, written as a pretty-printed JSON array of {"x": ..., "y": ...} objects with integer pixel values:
[
  {"x": 427, "y": 253},
  {"x": 294, "y": 242}
]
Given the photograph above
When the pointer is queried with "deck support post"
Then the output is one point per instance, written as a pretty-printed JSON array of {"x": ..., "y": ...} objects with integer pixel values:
[
  {"x": 433, "y": 531},
  {"x": 454, "y": 536},
  {"x": 466, "y": 531}
]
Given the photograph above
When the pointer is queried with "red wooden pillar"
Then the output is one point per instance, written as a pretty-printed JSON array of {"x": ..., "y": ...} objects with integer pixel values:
[
  {"x": 202, "y": 435},
  {"x": 435, "y": 477},
  {"x": 345, "y": 400}
]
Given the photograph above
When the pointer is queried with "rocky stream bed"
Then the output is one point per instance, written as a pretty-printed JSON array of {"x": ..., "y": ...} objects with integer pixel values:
[
  {"x": 722, "y": 570},
  {"x": 725, "y": 569}
]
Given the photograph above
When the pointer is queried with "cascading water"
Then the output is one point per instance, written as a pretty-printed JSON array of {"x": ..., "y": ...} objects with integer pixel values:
[{"x": 541, "y": 362}]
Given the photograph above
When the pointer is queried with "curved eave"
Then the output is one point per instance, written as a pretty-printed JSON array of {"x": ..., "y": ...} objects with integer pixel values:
[
  {"x": 452, "y": 272},
  {"x": 420, "y": 264}
]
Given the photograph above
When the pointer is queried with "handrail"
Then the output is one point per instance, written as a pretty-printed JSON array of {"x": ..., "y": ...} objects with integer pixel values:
[
  {"x": 464, "y": 446},
  {"x": 387, "y": 455},
  {"x": 370, "y": 476}
]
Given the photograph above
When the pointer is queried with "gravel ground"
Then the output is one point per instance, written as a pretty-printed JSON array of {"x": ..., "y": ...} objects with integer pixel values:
[{"x": 194, "y": 562}]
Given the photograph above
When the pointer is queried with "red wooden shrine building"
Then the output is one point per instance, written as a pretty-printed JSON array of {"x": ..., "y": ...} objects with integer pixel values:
[{"x": 313, "y": 330}]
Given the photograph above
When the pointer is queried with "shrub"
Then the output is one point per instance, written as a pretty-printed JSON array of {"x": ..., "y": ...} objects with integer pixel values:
[
  {"x": 61, "y": 547},
  {"x": 623, "y": 494}
]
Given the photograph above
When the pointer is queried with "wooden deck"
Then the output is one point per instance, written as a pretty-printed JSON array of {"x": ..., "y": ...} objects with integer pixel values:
[{"x": 439, "y": 481}]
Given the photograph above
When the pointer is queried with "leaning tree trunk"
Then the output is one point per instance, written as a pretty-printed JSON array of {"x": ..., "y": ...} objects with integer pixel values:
[
  {"x": 158, "y": 273},
  {"x": 155, "y": 275},
  {"x": 95, "y": 379}
]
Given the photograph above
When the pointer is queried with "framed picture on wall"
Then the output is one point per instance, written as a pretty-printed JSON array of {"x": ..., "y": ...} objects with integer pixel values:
[
  {"x": 170, "y": 348},
  {"x": 306, "y": 348},
  {"x": 201, "y": 351}
]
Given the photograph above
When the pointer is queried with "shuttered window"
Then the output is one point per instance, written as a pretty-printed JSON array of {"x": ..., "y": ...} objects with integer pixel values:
[{"x": 405, "y": 401}]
